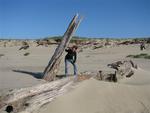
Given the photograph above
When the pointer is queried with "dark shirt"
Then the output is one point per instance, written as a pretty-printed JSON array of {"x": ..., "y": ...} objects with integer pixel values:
[{"x": 71, "y": 55}]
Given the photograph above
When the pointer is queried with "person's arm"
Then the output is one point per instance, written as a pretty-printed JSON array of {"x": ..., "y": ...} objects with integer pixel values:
[{"x": 68, "y": 49}]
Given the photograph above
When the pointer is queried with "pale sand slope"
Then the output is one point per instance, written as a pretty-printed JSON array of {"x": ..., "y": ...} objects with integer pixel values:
[{"x": 93, "y": 96}]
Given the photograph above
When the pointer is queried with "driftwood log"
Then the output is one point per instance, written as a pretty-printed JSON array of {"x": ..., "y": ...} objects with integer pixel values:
[
  {"x": 45, "y": 42},
  {"x": 24, "y": 46},
  {"x": 123, "y": 69},
  {"x": 53, "y": 65},
  {"x": 27, "y": 100}
]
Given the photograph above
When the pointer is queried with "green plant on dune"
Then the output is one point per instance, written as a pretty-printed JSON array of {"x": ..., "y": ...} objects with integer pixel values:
[
  {"x": 147, "y": 57},
  {"x": 130, "y": 56},
  {"x": 142, "y": 55},
  {"x": 26, "y": 54},
  {"x": 1, "y": 55}
]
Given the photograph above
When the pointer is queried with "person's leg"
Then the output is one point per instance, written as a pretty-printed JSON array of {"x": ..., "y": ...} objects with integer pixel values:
[
  {"x": 141, "y": 47},
  {"x": 66, "y": 67},
  {"x": 74, "y": 68},
  {"x": 75, "y": 72}
]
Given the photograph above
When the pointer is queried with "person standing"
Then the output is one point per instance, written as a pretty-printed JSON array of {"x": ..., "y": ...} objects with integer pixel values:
[
  {"x": 142, "y": 46},
  {"x": 71, "y": 58}
]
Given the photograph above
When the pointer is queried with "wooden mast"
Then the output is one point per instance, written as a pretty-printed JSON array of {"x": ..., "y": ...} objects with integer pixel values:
[{"x": 54, "y": 63}]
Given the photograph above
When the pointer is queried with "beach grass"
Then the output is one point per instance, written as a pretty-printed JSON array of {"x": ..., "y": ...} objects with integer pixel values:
[{"x": 142, "y": 55}]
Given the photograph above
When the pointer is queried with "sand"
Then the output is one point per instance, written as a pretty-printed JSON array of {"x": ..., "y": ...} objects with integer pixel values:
[
  {"x": 131, "y": 95},
  {"x": 93, "y": 96}
]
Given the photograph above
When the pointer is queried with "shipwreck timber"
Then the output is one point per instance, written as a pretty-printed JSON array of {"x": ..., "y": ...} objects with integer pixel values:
[{"x": 54, "y": 63}]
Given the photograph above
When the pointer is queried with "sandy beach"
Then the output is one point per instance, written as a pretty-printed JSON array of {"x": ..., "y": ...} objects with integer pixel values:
[
  {"x": 130, "y": 95},
  {"x": 74, "y": 56}
]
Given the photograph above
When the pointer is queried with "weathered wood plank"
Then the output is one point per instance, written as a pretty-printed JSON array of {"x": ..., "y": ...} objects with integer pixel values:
[
  {"x": 32, "y": 98},
  {"x": 53, "y": 65}
]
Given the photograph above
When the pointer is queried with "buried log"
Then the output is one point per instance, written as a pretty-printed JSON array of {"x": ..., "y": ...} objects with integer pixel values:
[
  {"x": 106, "y": 76},
  {"x": 24, "y": 46},
  {"x": 53, "y": 65},
  {"x": 123, "y": 69},
  {"x": 32, "y": 98}
]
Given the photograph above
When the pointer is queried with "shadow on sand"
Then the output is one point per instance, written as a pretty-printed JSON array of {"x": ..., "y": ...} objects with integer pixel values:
[{"x": 38, "y": 75}]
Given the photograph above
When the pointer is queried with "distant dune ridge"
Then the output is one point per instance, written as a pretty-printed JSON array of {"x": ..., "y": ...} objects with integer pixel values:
[
  {"x": 75, "y": 40},
  {"x": 109, "y": 81}
]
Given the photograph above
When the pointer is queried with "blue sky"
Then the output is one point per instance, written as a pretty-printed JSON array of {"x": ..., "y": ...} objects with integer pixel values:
[{"x": 102, "y": 18}]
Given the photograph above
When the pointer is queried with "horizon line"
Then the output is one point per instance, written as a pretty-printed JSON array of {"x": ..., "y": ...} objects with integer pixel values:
[{"x": 55, "y": 36}]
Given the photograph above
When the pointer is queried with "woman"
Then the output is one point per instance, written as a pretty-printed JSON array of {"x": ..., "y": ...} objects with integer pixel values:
[{"x": 71, "y": 58}]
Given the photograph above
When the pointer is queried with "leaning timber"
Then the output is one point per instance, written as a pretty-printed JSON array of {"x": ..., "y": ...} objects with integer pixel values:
[{"x": 53, "y": 65}]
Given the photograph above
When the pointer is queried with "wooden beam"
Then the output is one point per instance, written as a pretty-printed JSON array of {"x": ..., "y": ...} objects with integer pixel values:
[{"x": 52, "y": 68}]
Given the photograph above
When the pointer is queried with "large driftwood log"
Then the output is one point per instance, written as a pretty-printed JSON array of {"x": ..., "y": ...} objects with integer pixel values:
[
  {"x": 123, "y": 69},
  {"x": 27, "y": 100},
  {"x": 53, "y": 65}
]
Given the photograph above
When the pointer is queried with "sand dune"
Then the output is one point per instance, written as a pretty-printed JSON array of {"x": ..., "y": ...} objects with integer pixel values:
[{"x": 93, "y": 96}]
